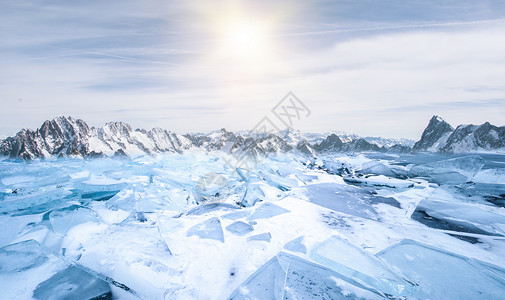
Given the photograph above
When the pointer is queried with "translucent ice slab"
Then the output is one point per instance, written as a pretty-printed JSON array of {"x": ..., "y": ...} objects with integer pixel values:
[
  {"x": 450, "y": 214},
  {"x": 351, "y": 261},
  {"x": 379, "y": 181},
  {"x": 64, "y": 219},
  {"x": 36, "y": 202},
  {"x": 29, "y": 270},
  {"x": 282, "y": 183},
  {"x": 239, "y": 228},
  {"x": 449, "y": 171},
  {"x": 377, "y": 168},
  {"x": 266, "y": 211},
  {"x": 290, "y": 277},
  {"x": 260, "y": 237},
  {"x": 341, "y": 198},
  {"x": 296, "y": 245},
  {"x": 72, "y": 283},
  {"x": 253, "y": 194},
  {"x": 206, "y": 208},
  {"x": 209, "y": 229},
  {"x": 445, "y": 275}
]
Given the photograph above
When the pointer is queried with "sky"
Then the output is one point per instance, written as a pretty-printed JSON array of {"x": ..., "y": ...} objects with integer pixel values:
[{"x": 373, "y": 68}]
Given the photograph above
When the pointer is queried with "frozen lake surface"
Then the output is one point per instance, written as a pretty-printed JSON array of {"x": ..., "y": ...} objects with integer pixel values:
[{"x": 189, "y": 226}]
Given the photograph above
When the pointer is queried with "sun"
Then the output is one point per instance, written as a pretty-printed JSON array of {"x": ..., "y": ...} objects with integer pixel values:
[
  {"x": 243, "y": 42},
  {"x": 244, "y": 39},
  {"x": 241, "y": 45}
]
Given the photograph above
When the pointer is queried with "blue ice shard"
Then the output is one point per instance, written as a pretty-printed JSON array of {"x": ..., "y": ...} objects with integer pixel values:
[
  {"x": 236, "y": 215},
  {"x": 267, "y": 211},
  {"x": 449, "y": 171},
  {"x": 289, "y": 277},
  {"x": 239, "y": 228},
  {"x": 30, "y": 270},
  {"x": 64, "y": 219},
  {"x": 445, "y": 275},
  {"x": 72, "y": 283},
  {"x": 444, "y": 210},
  {"x": 377, "y": 168},
  {"x": 253, "y": 194},
  {"x": 282, "y": 183},
  {"x": 260, "y": 237},
  {"x": 21, "y": 256},
  {"x": 208, "y": 229},
  {"x": 296, "y": 245},
  {"x": 351, "y": 261},
  {"x": 342, "y": 198}
]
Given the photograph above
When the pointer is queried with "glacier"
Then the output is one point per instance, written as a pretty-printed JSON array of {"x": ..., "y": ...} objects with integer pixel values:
[{"x": 188, "y": 225}]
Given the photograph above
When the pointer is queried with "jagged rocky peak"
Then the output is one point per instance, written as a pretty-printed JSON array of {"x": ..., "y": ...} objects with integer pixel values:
[
  {"x": 434, "y": 136},
  {"x": 330, "y": 143},
  {"x": 64, "y": 127},
  {"x": 360, "y": 144},
  {"x": 117, "y": 128}
]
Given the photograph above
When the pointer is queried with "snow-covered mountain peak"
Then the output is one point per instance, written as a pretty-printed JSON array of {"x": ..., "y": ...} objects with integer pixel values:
[
  {"x": 434, "y": 136},
  {"x": 439, "y": 136}
]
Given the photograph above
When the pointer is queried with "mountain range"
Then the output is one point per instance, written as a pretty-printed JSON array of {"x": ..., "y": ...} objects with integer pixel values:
[
  {"x": 440, "y": 136},
  {"x": 66, "y": 136}
]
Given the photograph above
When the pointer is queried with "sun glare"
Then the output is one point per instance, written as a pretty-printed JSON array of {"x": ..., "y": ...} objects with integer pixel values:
[
  {"x": 244, "y": 39},
  {"x": 242, "y": 48},
  {"x": 243, "y": 42}
]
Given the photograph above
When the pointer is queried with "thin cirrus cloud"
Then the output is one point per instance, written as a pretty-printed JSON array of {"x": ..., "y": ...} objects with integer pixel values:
[{"x": 366, "y": 68}]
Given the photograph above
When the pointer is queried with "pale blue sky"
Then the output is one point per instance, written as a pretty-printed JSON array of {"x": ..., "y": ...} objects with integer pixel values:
[{"x": 375, "y": 68}]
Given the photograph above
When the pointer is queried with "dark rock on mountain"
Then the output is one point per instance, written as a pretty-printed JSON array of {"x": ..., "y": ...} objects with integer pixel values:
[
  {"x": 305, "y": 148},
  {"x": 360, "y": 145},
  {"x": 332, "y": 143},
  {"x": 434, "y": 136},
  {"x": 399, "y": 149}
]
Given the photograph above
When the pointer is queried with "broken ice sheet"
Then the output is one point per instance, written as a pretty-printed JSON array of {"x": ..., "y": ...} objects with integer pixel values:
[
  {"x": 442, "y": 210},
  {"x": 487, "y": 193},
  {"x": 99, "y": 196},
  {"x": 239, "y": 228},
  {"x": 445, "y": 275},
  {"x": 253, "y": 193},
  {"x": 289, "y": 277},
  {"x": 208, "y": 229},
  {"x": 236, "y": 215},
  {"x": 379, "y": 181},
  {"x": 341, "y": 198},
  {"x": 351, "y": 261},
  {"x": 72, "y": 283},
  {"x": 28, "y": 269},
  {"x": 154, "y": 197},
  {"x": 64, "y": 219},
  {"x": 21, "y": 256},
  {"x": 206, "y": 208},
  {"x": 267, "y": 211},
  {"x": 450, "y": 171},
  {"x": 282, "y": 183},
  {"x": 260, "y": 237},
  {"x": 36, "y": 202},
  {"x": 296, "y": 245},
  {"x": 377, "y": 168}
]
